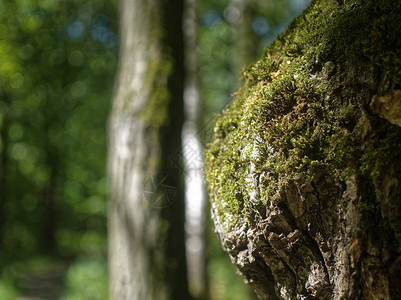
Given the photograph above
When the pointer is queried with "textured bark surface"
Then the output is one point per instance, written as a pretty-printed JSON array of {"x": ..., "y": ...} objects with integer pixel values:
[
  {"x": 305, "y": 170},
  {"x": 146, "y": 219}
]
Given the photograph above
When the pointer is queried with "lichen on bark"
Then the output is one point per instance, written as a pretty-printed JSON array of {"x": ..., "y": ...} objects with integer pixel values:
[{"x": 304, "y": 172}]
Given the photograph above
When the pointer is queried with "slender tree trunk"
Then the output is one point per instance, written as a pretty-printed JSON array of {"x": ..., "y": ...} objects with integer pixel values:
[
  {"x": 246, "y": 40},
  {"x": 49, "y": 222},
  {"x": 50, "y": 191},
  {"x": 3, "y": 165},
  {"x": 195, "y": 196},
  {"x": 305, "y": 170},
  {"x": 146, "y": 227}
]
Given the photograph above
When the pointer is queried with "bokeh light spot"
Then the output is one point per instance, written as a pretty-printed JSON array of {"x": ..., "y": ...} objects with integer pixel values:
[
  {"x": 104, "y": 34},
  {"x": 76, "y": 58},
  {"x": 41, "y": 174},
  {"x": 48, "y": 4},
  {"x": 78, "y": 89},
  {"x": 57, "y": 56},
  {"x": 19, "y": 151},
  {"x": 31, "y": 23},
  {"x": 260, "y": 26},
  {"x": 75, "y": 29},
  {"x": 211, "y": 18},
  {"x": 26, "y": 52},
  {"x": 233, "y": 14},
  {"x": 16, "y": 80},
  {"x": 15, "y": 132}
]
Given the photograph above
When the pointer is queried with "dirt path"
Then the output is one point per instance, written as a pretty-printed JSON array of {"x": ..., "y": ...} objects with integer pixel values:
[{"x": 45, "y": 285}]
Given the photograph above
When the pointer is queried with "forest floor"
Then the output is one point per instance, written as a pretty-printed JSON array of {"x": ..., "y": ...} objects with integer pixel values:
[{"x": 46, "y": 284}]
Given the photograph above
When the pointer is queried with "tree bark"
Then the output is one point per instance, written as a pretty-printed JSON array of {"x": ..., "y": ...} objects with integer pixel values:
[
  {"x": 4, "y": 126},
  {"x": 146, "y": 228},
  {"x": 305, "y": 170}
]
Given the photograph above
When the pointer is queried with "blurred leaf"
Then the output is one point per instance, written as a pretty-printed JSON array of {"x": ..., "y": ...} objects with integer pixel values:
[
  {"x": 7, "y": 290},
  {"x": 86, "y": 279}
]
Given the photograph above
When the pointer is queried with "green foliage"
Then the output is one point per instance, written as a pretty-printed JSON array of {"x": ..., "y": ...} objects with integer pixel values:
[
  {"x": 224, "y": 282},
  {"x": 8, "y": 290},
  {"x": 57, "y": 63},
  {"x": 86, "y": 279},
  {"x": 56, "y": 83}
]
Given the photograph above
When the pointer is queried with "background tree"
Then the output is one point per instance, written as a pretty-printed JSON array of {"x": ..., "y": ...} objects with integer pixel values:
[
  {"x": 146, "y": 235},
  {"x": 304, "y": 171}
]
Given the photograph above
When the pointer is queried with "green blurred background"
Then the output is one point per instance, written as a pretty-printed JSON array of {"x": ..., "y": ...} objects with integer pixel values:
[{"x": 58, "y": 59}]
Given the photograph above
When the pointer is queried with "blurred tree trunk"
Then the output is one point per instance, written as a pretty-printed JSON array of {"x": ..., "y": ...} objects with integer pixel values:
[
  {"x": 305, "y": 170},
  {"x": 246, "y": 39},
  {"x": 146, "y": 227},
  {"x": 195, "y": 196},
  {"x": 50, "y": 194},
  {"x": 50, "y": 215},
  {"x": 3, "y": 162}
]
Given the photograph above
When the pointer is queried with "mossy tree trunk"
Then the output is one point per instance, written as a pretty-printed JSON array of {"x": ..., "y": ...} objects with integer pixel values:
[
  {"x": 146, "y": 229},
  {"x": 305, "y": 170}
]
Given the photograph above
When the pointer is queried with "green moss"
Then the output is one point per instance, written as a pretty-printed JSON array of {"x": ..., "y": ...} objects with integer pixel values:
[
  {"x": 292, "y": 117},
  {"x": 383, "y": 45},
  {"x": 155, "y": 112}
]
